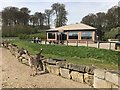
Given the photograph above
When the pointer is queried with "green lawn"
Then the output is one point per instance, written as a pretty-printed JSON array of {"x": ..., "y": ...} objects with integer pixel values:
[{"x": 79, "y": 55}]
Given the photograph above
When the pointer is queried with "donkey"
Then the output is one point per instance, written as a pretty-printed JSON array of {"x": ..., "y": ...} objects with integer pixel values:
[{"x": 35, "y": 62}]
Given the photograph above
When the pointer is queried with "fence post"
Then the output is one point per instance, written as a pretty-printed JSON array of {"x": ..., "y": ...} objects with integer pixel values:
[
  {"x": 110, "y": 46},
  {"x": 98, "y": 44},
  {"x": 45, "y": 42},
  {"x": 67, "y": 42},
  {"x": 77, "y": 43},
  {"x": 87, "y": 43}
]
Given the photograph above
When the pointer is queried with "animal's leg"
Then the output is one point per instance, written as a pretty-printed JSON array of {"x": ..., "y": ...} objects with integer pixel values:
[{"x": 35, "y": 70}]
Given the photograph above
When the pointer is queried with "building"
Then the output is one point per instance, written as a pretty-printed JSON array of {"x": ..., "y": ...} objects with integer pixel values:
[{"x": 72, "y": 33}]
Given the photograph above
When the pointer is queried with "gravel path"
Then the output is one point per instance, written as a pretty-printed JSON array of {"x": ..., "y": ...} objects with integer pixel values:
[{"x": 17, "y": 75}]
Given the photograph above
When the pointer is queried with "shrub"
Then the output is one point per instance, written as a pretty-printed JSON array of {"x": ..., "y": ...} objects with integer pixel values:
[
  {"x": 24, "y": 37},
  {"x": 112, "y": 33},
  {"x": 41, "y": 35},
  {"x": 14, "y": 31}
]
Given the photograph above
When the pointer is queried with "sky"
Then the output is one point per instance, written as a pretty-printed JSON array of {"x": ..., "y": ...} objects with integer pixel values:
[{"x": 76, "y": 9}]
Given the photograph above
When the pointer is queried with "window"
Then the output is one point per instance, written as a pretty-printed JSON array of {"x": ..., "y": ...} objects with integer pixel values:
[
  {"x": 51, "y": 35},
  {"x": 86, "y": 35},
  {"x": 73, "y": 35},
  {"x": 61, "y": 36}
]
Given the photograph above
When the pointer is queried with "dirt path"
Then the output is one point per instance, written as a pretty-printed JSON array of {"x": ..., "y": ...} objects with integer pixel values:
[{"x": 17, "y": 75}]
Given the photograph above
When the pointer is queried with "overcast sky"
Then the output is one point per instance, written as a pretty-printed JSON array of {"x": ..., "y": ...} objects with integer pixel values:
[{"x": 77, "y": 9}]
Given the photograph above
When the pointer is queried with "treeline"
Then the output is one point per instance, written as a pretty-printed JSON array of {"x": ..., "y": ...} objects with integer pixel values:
[
  {"x": 19, "y": 21},
  {"x": 107, "y": 24}
]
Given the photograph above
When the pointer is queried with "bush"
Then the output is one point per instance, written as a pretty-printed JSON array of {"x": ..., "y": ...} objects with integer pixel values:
[
  {"x": 24, "y": 37},
  {"x": 14, "y": 31},
  {"x": 112, "y": 33},
  {"x": 41, "y": 35}
]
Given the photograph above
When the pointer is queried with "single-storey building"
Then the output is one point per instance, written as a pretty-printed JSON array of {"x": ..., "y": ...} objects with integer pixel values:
[{"x": 72, "y": 33}]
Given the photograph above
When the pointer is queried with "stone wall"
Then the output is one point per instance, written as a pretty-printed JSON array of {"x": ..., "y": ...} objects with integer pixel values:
[
  {"x": 106, "y": 79},
  {"x": 96, "y": 78},
  {"x": 78, "y": 73}
]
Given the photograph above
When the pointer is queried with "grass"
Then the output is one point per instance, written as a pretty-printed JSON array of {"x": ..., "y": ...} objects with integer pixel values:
[
  {"x": 10, "y": 38},
  {"x": 79, "y": 55}
]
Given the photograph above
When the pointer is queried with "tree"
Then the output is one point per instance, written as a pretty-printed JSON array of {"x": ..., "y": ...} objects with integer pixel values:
[
  {"x": 90, "y": 19},
  {"x": 13, "y": 15},
  {"x": 48, "y": 13},
  {"x": 104, "y": 22},
  {"x": 113, "y": 17},
  {"x": 25, "y": 15},
  {"x": 10, "y": 16},
  {"x": 40, "y": 18},
  {"x": 60, "y": 12},
  {"x": 33, "y": 20},
  {"x": 62, "y": 15}
]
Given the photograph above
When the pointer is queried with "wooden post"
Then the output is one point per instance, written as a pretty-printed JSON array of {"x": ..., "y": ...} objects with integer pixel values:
[
  {"x": 77, "y": 43},
  {"x": 45, "y": 42},
  {"x": 98, "y": 44},
  {"x": 110, "y": 46},
  {"x": 67, "y": 42},
  {"x": 87, "y": 43}
]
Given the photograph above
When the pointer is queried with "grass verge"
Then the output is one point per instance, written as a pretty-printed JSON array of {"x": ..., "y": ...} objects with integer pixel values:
[{"x": 79, "y": 55}]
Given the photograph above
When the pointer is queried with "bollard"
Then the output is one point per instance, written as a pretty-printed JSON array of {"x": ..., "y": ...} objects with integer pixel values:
[{"x": 98, "y": 44}]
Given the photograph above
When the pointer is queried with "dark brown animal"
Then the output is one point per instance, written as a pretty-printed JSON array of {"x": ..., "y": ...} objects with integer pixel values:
[{"x": 35, "y": 62}]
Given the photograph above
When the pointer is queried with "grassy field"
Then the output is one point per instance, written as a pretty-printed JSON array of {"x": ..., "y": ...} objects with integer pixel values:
[{"x": 79, "y": 55}]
